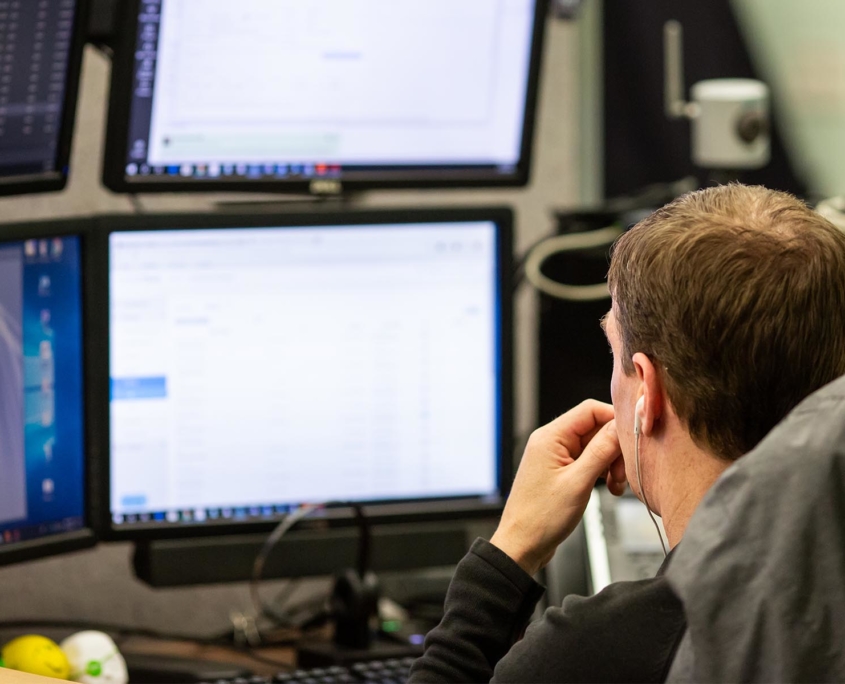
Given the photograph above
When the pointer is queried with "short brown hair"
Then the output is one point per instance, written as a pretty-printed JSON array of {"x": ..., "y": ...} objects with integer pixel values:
[{"x": 737, "y": 294}]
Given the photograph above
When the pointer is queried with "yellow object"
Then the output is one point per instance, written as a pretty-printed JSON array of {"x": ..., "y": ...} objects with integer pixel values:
[{"x": 37, "y": 655}]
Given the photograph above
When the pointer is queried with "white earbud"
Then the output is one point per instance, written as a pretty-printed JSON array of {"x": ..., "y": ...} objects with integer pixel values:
[{"x": 638, "y": 417}]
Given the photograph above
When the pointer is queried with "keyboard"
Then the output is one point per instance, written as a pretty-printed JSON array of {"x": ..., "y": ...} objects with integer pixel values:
[{"x": 372, "y": 672}]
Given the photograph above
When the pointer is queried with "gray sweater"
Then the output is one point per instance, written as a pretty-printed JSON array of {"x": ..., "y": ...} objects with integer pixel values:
[{"x": 761, "y": 570}]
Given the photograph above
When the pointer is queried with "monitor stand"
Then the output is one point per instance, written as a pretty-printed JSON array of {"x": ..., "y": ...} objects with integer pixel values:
[{"x": 354, "y": 607}]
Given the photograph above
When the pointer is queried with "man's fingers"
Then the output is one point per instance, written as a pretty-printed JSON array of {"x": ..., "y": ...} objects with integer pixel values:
[
  {"x": 598, "y": 456},
  {"x": 574, "y": 428}
]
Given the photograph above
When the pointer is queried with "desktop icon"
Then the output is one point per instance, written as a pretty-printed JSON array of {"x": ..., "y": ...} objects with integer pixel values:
[
  {"x": 44, "y": 286},
  {"x": 172, "y": 516},
  {"x": 31, "y": 248},
  {"x": 58, "y": 248}
]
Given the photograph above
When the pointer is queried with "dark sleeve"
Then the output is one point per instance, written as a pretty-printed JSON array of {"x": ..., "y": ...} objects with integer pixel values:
[
  {"x": 628, "y": 632},
  {"x": 489, "y": 603}
]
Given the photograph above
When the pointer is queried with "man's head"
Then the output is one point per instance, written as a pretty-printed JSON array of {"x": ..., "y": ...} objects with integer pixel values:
[{"x": 728, "y": 309}]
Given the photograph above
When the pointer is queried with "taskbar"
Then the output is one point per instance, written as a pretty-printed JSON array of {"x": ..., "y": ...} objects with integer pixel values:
[
  {"x": 305, "y": 171},
  {"x": 201, "y": 515},
  {"x": 14, "y": 535}
]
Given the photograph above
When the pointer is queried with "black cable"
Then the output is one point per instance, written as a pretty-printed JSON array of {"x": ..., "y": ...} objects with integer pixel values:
[
  {"x": 259, "y": 607},
  {"x": 280, "y": 601}
]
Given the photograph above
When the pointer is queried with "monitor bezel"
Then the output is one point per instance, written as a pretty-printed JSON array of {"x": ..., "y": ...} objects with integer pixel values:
[
  {"x": 83, "y": 538},
  {"x": 53, "y": 181},
  {"x": 120, "y": 106},
  {"x": 378, "y": 513}
]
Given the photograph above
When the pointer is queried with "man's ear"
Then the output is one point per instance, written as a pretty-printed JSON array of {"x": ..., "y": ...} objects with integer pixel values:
[{"x": 651, "y": 389}]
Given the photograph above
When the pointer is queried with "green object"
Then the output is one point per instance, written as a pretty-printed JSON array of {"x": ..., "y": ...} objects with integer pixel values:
[
  {"x": 391, "y": 626},
  {"x": 95, "y": 668}
]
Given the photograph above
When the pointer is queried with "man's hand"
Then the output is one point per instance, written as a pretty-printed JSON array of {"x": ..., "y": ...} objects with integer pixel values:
[{"x": 559, "y": 469}]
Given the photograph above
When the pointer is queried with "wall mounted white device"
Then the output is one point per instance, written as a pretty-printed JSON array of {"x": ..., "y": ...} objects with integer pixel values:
[{"x": 730, "y": 116}]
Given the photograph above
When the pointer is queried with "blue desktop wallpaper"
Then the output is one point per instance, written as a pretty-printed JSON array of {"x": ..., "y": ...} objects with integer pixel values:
[{"x": 53, "y": 389}]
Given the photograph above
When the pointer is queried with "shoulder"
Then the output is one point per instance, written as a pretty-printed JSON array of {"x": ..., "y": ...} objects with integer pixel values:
[{"x": 627, "y": 632}]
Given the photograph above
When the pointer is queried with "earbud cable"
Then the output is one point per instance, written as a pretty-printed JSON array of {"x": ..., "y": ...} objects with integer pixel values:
[{"x": 642, "y": 491}]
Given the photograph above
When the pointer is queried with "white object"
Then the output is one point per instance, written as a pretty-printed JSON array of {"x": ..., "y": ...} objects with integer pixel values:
[
  {"x": 730, "y": 117},
  {"x": 94, "y": 659},
  {"x": 730, "y": 124},
  {"x": 638, "y": 415}
]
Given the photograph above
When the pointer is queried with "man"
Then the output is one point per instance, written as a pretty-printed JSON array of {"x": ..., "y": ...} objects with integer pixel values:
[{"x": 728, "y": 308}]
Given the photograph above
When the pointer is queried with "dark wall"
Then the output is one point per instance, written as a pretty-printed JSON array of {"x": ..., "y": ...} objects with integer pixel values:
[{"x": 641, "y": 145}]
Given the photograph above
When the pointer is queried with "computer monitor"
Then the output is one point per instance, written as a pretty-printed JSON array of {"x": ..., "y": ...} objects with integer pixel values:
[
  {"x": 258, "y": 363},
  {"x": 323, "y": 95},
  {"x": 41, "y": 45},
  {"x": 43, "y": 435}
]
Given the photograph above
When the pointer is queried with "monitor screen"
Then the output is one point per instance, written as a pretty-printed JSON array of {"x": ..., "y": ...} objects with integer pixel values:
[
  {"x": 292, "y": 94},
  {"x": 42, "y": 450},
  {"x": 255, "y": 369},
  {"x": 40, "y": 58}
]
